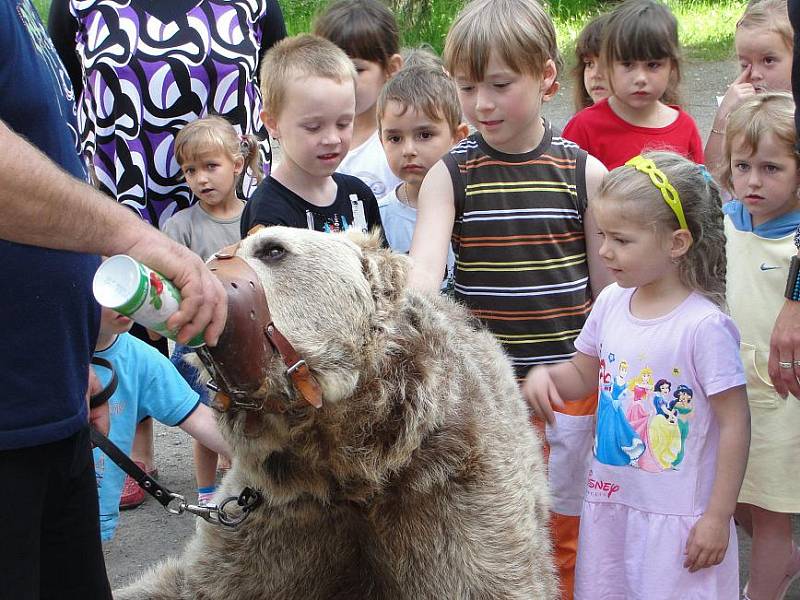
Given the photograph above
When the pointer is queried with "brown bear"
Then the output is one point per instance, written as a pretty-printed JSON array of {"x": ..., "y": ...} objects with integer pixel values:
[{"x": 419, "y": 477}]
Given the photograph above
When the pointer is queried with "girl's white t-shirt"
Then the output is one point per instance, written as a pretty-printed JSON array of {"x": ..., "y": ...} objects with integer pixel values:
[{"x": 368, "y": 163}]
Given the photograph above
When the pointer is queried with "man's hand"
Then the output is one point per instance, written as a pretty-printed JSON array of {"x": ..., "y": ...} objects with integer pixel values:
[
  {"x": 204, "y": 304},
  {"x": 67, "y": 214},
  {"x": 98, "y": 417},
  {"x": 784, "y": 347}
]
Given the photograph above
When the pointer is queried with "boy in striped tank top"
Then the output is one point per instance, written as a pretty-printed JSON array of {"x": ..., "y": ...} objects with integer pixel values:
[{"x": 516, "y": 198}]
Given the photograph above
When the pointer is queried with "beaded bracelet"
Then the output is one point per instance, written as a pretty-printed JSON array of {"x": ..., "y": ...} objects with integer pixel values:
[{"x": 792, "y": 291}]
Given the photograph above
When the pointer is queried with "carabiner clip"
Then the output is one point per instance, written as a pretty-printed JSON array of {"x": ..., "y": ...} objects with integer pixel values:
[{"x": 181, "y": 504}]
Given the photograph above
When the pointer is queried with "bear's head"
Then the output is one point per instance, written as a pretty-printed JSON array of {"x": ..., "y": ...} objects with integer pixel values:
[
  {"x": 327, "y": 294},
  {"x": 382, "y": 354}
]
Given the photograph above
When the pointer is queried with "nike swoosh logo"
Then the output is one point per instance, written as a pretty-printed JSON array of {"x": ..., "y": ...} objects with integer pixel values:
[{"x": 766, "y": 267}]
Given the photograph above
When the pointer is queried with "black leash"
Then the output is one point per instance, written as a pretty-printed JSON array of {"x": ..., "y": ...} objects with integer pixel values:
[
  {"x": 103, "y": 395},
  {"x": 246, "y": 502},
  {"x": 147, "y": 483}
]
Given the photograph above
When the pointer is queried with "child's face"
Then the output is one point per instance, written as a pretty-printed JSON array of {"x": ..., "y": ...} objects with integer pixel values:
[
  {"x": 640, "y": 83},
  {"x": 212, "y": 177},
  {"x": 594, "y": 79},
  {"x": 765, "y": 181},
  {"x": 413, "y": 142},
  {"x": 506, "y": 106},
  {"x": 315, "y": 126},
  {"x": 371, "y": 77},
  {"x": 113, "y": 323},
  {"x": 771, "y": 60},
  {"x": 634, "y": 254}
]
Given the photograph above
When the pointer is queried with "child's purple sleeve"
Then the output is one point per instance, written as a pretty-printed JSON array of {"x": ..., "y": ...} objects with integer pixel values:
[
  {"x": 715, "y": 354},
  {"x": 588, "y": 340}
]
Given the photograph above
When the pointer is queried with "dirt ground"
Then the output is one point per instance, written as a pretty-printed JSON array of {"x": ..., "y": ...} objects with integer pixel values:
[{"x": 148, "y": 534}]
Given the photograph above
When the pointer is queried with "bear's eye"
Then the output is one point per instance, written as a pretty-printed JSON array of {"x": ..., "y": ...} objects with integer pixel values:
[{"x": 272, "y": 252}]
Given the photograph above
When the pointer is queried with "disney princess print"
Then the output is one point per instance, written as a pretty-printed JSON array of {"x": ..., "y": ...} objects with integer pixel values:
[{"x": 643, "y": 421}]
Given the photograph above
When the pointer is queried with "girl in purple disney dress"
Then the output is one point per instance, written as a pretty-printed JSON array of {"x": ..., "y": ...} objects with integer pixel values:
[{"x": 661, "y": 223}]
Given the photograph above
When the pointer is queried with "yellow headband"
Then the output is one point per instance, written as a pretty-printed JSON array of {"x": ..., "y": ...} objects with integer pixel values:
[{"x": 670, "y": 194}]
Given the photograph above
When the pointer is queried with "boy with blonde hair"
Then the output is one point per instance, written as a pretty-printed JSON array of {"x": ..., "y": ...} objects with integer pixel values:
[
  {"x": 419, "y": 120},
  {"x": 367, "y": 32},
  {"x": 516, "y": 199},
  {"x": 308, "y": 89}
]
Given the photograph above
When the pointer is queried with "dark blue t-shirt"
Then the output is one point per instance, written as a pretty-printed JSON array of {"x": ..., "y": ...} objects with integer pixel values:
[
  {"x": 48, "y": 317},
  {"x": 274, "y": 204}
]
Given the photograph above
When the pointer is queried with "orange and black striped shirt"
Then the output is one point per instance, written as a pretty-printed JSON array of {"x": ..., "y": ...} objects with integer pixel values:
[{"x": 520, "y": 247}]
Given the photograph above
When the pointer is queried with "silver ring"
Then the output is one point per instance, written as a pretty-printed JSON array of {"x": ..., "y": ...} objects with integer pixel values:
[
  {"x": 797, "y": 363},
  {"x": 786, "y": 365}
]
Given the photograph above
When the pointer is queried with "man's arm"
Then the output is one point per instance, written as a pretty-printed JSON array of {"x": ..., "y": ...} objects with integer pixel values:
[
  {"x": 599, "y": 275},
  {"x": 42, "y": 205},
  {"x": 784, "y": 347},
  {"x": 99, "y": 417}
]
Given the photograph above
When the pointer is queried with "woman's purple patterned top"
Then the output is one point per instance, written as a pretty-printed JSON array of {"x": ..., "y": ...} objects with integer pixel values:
[{"x": 146, "y": 76}]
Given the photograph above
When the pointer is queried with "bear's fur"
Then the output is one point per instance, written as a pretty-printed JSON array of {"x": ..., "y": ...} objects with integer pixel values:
[{"x": 420, "y": 476}]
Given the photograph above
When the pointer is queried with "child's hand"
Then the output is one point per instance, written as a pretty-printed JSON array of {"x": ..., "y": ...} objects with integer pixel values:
[
  {"x": 740, "y": 90},
  {"x": 707, "y": 543},
  {"x": 541, "y": 393}
]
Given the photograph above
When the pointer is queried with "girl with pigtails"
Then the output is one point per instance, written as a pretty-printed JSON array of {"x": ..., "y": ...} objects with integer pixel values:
[{"x": 213, "y": 158}]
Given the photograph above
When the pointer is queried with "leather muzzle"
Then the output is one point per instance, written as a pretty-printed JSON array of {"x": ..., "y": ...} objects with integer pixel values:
[{"x": 238, "y": 363}]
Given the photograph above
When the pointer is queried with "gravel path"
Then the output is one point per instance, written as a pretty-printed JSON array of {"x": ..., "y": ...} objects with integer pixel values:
[{"x": 148, "y": 534}]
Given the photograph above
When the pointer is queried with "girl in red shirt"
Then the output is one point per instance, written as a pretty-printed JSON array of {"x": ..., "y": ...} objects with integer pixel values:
[{"x": 640, "y": 51}]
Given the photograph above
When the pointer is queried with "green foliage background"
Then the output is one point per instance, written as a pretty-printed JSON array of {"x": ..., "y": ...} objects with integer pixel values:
[{"x": 706, "y": 26}]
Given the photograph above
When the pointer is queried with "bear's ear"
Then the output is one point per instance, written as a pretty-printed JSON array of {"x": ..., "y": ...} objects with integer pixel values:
[
  {"x": 386, "y": 271},
  {"x": 367, "y": 241}
]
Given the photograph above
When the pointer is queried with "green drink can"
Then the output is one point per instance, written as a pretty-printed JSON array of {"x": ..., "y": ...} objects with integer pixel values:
[{"x": 135, "y": 290}]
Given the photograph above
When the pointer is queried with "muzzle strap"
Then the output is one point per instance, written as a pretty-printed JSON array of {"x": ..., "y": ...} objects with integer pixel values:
[{"x": 296, "y": 367}]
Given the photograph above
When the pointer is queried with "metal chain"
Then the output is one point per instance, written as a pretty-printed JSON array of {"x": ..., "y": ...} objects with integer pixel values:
[{"x": 231, "y": 512}]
